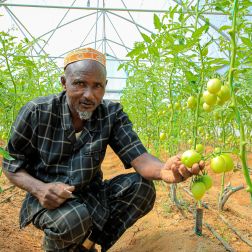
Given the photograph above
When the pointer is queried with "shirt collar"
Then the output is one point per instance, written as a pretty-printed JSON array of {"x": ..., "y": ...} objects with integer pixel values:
[
  {"x": 91, "y": 124},
  {"x": 65, "y": 113}
]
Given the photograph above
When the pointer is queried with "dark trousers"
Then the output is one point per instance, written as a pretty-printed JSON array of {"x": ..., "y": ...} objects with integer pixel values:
[{"x": 129, "y": 197}]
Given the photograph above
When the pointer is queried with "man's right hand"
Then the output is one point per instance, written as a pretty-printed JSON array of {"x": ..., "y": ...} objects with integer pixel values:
[{"x": 52, "y": 195}]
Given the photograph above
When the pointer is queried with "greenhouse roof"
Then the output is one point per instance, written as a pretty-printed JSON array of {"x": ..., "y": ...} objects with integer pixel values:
[{"x": 109, "y": 26}]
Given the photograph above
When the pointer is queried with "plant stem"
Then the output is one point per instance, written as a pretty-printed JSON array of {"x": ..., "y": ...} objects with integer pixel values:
[
  {"x": 171, "y": 101},
  {"x": 201, "y": 83},
  {"x": 232, "y": 33}
]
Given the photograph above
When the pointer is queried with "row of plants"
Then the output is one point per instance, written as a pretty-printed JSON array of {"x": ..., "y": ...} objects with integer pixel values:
[
  {"x": 180, "y": 96},
  {"x": 22, "y": 78}
]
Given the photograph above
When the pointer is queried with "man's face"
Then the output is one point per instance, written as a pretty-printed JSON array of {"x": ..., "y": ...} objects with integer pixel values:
[{"x": 85, "y": 83}]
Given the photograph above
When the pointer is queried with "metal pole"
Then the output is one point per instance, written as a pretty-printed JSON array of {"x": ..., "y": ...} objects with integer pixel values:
[
  {"x": 12, "y": 14},
  {"x": 117, "y": 33},
  {"x": 130, "y": 21},
  {"x": 127, "y": 48},
  {"x": 56, "y": 27},
  {"x": 72, "y": 21},
  {"x": 95, "y": 23},
  {"x": 104, "y": 9},
  {"x": 104, "y": 29}
]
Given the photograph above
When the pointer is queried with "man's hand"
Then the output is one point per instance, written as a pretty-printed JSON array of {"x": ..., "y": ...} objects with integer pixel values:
[
  {"x": 52, "y": 195},
  {"x": 174, "y": 171}
]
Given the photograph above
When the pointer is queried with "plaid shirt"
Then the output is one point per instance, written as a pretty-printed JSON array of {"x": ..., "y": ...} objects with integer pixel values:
[{"x": 43, "y": 143}]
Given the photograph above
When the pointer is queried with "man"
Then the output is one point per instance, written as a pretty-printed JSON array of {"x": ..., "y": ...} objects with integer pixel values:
[{"x": 59, "y": 143}]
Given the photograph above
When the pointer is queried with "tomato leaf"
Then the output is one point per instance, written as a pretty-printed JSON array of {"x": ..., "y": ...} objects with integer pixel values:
[
  {"x": 146, "y": 38},
  {"x": 246, "y": 41},
  {"x": 157, "y": 22},
  {"x": 199, "y": 31},
  {"x": 5, "y": 154}
]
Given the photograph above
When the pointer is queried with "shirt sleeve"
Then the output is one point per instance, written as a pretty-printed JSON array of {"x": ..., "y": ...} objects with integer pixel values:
[
  {"x": 21, "y": 145},
  {"x": 124, "y": 140}
]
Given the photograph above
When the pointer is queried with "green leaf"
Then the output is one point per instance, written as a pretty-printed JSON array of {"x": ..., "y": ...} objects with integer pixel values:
[
  {"x": 5, "y": 154},
  {"x": 157, "y": 22},
  {"x": 153, "y": 50},
  {"x": 172, "y": 12},
  {"x": 199, "y": 31},
  {"x": 246, "y": 41},
  {"x": 146, "y": 38},
  {"x": 225, "y": 27},
  {"x": 205, "y": 51},
  {"x": 139, "y": 48},
  {"x": 121, "y": 66}
]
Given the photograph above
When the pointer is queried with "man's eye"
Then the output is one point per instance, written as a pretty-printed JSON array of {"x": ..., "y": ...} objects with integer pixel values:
[
  {"x": 98, "y": 85},
  {"x": 78, "y": 83}
]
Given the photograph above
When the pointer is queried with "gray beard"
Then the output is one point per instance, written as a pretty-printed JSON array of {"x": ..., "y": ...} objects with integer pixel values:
[{"x": 85, "y": 115}]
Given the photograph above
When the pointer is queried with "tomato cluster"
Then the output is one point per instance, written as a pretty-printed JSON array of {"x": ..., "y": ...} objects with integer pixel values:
[
  {"x": 216, "y": 93},
  {"x": 200, "y": 186},
  {"x": 201, "y": 183},
  {"x": 222, "y": 163}
]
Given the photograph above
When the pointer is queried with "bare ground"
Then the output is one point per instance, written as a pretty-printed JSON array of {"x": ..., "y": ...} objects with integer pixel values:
[{"x": 165, "y": 229}]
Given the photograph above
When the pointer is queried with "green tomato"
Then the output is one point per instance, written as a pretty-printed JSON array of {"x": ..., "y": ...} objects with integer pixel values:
[
  {"x": 191, "y": 102},
  {"x": 229, "y": 162},
  {"x": 177, "y": 106},
  {"x": 207, "y": 107},
  {"x": 218, "y": 164},
  {"x": 214, "y": 85},
  {"x": 198, "y": 190},
  {"x": 190, "y": 141},
  {"x": 219, "y": 101},
  {"x": 224, "y": 93},
  {"x": 199, "y": 148},
  {"x": 209, "y": 98},
  {"x": 162, "y": 136},
  {"x": 190, "y": 157},
  {"x": 207, "y": 180}
]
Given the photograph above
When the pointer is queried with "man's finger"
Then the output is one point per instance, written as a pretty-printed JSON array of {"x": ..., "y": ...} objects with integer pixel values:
[
  {"x": 184, "y": 172},
  {"x": 201, "y": 165},
  {"x": 195, "y": 169},
  {"x": 176, "y": 173}
]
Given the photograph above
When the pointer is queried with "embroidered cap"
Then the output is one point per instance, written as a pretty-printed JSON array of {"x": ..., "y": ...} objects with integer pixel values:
[{"x": 83, "y": 54}]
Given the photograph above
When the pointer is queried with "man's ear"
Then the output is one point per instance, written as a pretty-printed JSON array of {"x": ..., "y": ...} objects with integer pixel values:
[{"x": 63, "y": 81}]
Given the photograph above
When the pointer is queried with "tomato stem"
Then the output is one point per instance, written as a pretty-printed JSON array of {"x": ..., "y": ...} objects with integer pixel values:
[{"x": 232, "y": 69}]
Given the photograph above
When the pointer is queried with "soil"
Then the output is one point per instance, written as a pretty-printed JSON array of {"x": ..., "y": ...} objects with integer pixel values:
[{"x": 167, "y": 228}]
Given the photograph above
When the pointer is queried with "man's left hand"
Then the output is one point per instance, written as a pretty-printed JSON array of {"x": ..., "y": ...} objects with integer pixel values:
[{"x": 174, "y": 171}]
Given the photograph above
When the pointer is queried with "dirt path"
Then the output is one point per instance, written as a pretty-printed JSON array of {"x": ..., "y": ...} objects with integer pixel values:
[{"x": 164, "y": 229}]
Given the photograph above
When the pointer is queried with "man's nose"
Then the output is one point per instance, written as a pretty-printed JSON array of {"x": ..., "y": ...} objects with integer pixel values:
[{"x": 88, "y": 92}]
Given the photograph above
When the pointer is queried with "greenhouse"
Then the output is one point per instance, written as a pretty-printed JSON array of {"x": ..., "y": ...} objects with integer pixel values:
[{"x": 125, "y": 125}]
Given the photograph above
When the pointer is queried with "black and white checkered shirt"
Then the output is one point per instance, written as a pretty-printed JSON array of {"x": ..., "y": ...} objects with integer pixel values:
[{"x": 43, "y": 143}]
